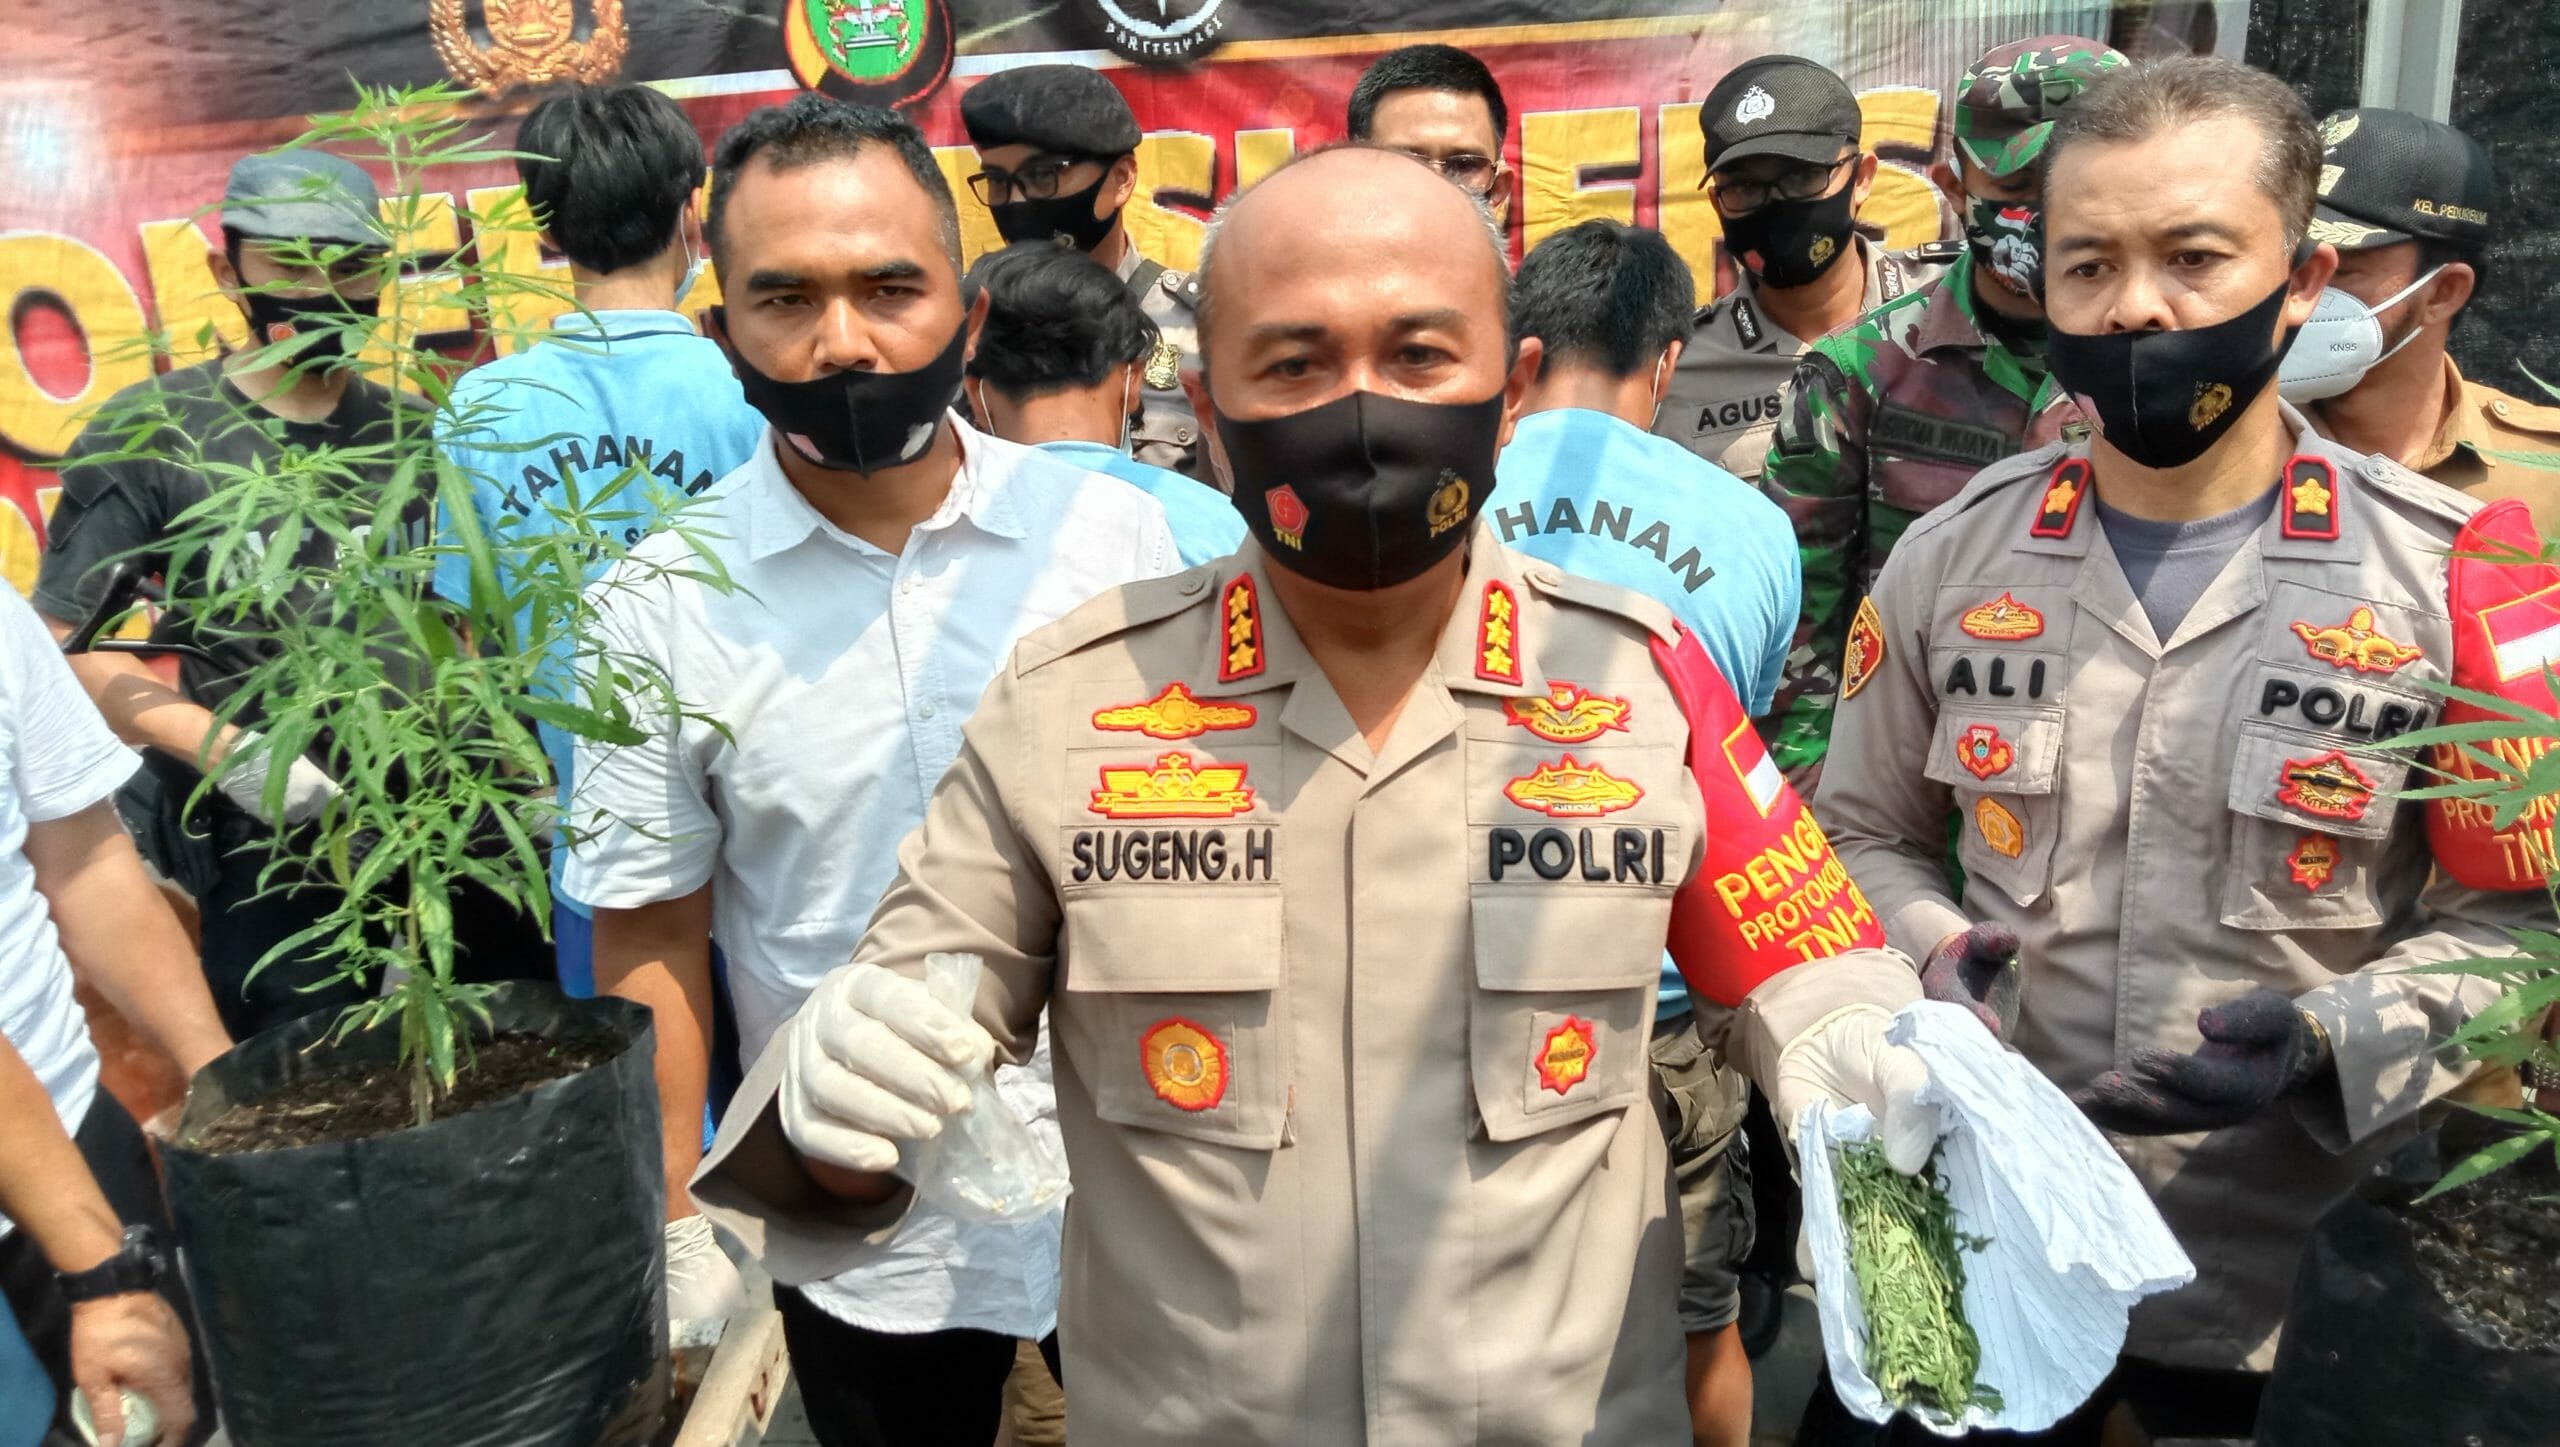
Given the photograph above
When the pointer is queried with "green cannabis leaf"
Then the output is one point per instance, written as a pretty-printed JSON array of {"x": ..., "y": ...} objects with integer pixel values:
[{"x": 1908, "y": 1257}]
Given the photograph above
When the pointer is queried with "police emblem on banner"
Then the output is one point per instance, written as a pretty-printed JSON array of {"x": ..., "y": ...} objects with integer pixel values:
[
  {"x": 1161, "y": 32},
  {"x": 531, "y": 42},
  {"x": 880, "y": 52}
]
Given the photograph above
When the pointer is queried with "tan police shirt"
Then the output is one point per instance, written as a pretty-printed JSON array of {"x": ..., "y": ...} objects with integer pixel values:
[
  {"x": 1725, "y": 394},
  {"x": 2169, "y": 824},
  {"x": 1167, "y": 434},
  {"x": 1350, "y": 1044},
  {"x": 2484, "y": 421}
]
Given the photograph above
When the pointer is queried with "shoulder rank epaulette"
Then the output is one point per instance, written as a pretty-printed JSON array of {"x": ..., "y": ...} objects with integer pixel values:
[
  {"x": 2311, "y": 502},
  {"x": 1115, "y": 611},
  {"x": 2065, "y": 489}
]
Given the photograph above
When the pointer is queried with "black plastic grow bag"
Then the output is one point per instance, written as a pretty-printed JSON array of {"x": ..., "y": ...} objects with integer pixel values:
[
  {"x": 495, "y": 1279},
  {"x": 2373, "y": 1355}
]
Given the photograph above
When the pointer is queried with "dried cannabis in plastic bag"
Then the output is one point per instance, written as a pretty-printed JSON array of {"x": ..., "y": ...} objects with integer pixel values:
[{"x": 1908, "y": 1257}]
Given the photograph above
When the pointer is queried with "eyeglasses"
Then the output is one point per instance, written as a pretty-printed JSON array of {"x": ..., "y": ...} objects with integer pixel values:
[
  {"x": 1800, "y": 183},
  {"x": 1467, "y": 171},
  {"x": 1036, "y": 181}
]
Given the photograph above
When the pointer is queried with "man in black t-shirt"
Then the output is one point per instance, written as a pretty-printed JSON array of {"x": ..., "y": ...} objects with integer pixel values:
[{"x": 253, "y": 408}]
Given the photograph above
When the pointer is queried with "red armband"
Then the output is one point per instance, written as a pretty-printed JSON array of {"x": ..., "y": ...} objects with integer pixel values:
[
  {"x": 1770, "y": 893},
  {"x": 2506, "y": 639}
]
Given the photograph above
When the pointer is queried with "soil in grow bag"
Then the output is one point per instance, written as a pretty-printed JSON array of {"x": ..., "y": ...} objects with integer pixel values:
[
  {"x": 2492, "y": 1250},
  {"x": 369, "y": 1104}
]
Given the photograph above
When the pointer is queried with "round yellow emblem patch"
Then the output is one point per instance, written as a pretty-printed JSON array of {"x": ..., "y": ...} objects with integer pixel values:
[{"x": 1186, "y": 1066}]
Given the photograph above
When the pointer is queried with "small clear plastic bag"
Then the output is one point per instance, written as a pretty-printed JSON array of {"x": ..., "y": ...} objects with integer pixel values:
[{"x": 986, "y": 1165}]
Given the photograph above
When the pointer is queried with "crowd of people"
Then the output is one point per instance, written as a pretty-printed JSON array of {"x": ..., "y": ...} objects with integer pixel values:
[{"x": 1320, "y": 686}]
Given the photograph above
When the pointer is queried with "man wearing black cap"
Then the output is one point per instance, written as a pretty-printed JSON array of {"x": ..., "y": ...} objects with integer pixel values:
[
  {"x": 2407, "y": 202},
  {"x": 1057, "y": 155},
  {"x": 1788, "y": 178}
]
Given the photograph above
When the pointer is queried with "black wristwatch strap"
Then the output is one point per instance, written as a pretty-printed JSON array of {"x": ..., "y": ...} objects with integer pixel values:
[{"x": 138, "y": 1265}]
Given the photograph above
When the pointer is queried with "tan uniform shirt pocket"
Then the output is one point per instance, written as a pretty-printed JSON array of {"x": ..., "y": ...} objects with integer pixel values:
[
  {"x": 1563, "y": 1006},
  {"x": 1168, "y": 1004}
]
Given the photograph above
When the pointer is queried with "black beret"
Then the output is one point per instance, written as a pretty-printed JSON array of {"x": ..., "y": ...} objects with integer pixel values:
[{"x": 1065, "y": 109}]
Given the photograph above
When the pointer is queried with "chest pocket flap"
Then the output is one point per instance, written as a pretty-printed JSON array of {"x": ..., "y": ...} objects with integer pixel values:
[
  {"x": 1169, "y": 1007},
  {"x": 1563, "y": 1005}
]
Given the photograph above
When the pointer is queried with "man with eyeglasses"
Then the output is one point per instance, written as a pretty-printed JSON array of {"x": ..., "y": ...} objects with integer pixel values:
[
  {"x": 1440, "y": 104},
  {"x": 1787, "y": 178},
  {"x": 1892, "y": 417},
  {"x": 1058, "y": 160}
]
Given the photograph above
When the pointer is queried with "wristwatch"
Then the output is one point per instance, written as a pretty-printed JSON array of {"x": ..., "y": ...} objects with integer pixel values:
[
  {"x": 137, "y": 1265},
  {"x": 2539, "y": 1077}
]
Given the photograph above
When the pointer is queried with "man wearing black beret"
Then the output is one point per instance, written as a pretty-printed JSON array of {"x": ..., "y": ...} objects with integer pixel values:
[{"x": 1057, "y": 155}]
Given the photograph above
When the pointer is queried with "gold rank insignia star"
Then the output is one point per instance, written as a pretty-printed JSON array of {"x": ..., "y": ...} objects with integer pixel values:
[
  {"x": 2311, "y": 496},
  {"x": 1240, "y": 651},
  {"x": 1174, "y": 714},
  {"x": 1497, "y": 659}
]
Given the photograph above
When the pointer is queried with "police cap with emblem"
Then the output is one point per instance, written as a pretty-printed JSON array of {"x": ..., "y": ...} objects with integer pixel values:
[
  {"x": 2007, "y": 101},
  {"x": 303, "y": 195},
  {"x": 1778, "y": 105},
  {"x": 1065, "y": 110},
  {"x": 2388, "y": 176}
]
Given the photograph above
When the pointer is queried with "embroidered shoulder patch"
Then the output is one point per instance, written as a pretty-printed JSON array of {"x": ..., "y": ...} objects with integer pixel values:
[
  {"x": 2311, "y": 499},
  {"x": 1865, "y": 650},
  {"x": 1240, "y": 616},
  {"x": 2064, "y": 491},
  {"x": 2002, "y": 620},
  {"x": 1497, "y": 636},
  {"x": 1568, "y": 714},
  {"x": 1185, "y": 1064},
  {"x": 1983, "y": 752},
  {"x": 1174, "y": 714}
]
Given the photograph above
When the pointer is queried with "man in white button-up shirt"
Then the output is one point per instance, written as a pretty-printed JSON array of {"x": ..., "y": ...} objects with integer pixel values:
[{"x": 885, "y": 559}]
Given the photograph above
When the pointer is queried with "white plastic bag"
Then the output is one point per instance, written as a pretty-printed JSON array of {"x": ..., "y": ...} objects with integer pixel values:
[
  {"x": 986, "y": 1165},
  {"x": 2074, "y": 1240}
]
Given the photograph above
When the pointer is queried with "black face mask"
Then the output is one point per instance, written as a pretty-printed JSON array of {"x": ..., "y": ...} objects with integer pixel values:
[
  {"x": 323, "y": 324},
  {"x": 2163, "y": 398},
  {"x": 1067, "y": 217},
  {"x": 1790, "y": 243},
  {"x": 1365, "y": 491},
  {"x": 857, "y": 421}
]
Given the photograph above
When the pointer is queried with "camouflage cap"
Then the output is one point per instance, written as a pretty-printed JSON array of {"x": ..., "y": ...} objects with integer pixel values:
[{"x": 2006, "y": 102}]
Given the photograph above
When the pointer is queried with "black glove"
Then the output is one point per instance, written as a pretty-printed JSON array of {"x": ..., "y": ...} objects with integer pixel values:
[
  {"x": 1979, "y": 970},
  {"x": 2256, "y": 1049}
]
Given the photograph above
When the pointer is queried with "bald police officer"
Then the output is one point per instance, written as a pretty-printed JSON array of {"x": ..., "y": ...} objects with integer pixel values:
[
  {"x": 1343, "y": 867},
  {"x": 1787, "y": 178},
  {"x": 2154, "y": 676},
  {"x": 1889, "y": 418},
  {"x": 1057, "y": 155},
  {"x": 2409, "y": 204}
]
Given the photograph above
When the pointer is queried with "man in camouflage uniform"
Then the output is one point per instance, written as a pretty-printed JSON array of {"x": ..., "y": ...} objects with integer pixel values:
[
  {"x": 1890, "y": 417},
  {"x": 1788, "y": 177},
  {"x": 1058, "y": 145}
]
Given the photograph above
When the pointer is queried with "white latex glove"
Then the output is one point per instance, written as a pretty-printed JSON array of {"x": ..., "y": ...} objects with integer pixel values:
[
  {"x": 702, "y": 1282},
  {"x": 307, "y": 786},
  {"x": 874, "y": 1060},
  {"x": 1846, "y": 1060}
]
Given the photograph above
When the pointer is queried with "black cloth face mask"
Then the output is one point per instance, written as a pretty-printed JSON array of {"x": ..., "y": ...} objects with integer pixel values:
[
  {"x": 1365, "y": 491},
  {"x": 1070, "y": 217},
  {"x": 857, "y": 421},
  {"x": 2163, "y": 398},
  {"x": 326, "y": 322},
  {"x": 1791, "y": 243}
]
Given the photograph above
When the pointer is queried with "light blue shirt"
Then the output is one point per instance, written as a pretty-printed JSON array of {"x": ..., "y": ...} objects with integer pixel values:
[
  {"x": 598, "y": 395},
  {"x": 1598, "y": 496},
  {"x": 1206, "y": 525}
]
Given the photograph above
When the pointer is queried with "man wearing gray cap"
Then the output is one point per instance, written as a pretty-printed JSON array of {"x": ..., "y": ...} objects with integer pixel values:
[
  {"x": 1057, "y": 154},
  {"x": 1787, "y": 177},
  {"x": 2408, "y": 203},
  {"x": 301, "y": 258}
]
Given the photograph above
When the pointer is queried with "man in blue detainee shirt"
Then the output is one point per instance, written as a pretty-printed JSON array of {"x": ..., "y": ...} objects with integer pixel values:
[
  {"x": 1585, "y": 486},
  {"x": 622, "y": 406},
  {"x": 1059, "y": 366},
  {"x": 621, "y": 398}
]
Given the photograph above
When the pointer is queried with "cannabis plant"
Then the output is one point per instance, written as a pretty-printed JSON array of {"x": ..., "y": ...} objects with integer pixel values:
[{"x": 422, "y": 707}]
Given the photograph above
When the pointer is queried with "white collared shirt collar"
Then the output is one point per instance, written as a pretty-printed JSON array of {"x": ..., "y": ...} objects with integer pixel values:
[{"x": 779, "y": 517}]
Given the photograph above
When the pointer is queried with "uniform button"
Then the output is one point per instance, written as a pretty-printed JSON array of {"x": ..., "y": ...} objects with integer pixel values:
[
  {"x": 2498, "y": 407},
  {"x": 926, "y": 711},
  {"x": 907, "y": 585},
  {"x": 1544, "y": 577},
  {"x": 1182, "y": 434},
  {"x": 1190, "y": 586}
]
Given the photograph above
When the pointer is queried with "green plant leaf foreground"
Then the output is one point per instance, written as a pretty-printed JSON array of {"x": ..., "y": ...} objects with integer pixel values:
[{"x": 1908, "y": 1257}]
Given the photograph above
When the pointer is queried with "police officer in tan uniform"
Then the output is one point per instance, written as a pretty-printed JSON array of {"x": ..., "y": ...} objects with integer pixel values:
[
  {"x": 1787, "y": 178},
  {"x": 2154, "y": 676},
  {"x": 2410, "y": 204},
  {"x": 1343, "y": 867},
  {"x": 1057, "y": 150}
]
